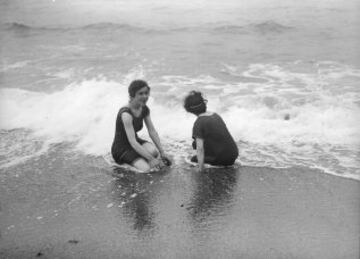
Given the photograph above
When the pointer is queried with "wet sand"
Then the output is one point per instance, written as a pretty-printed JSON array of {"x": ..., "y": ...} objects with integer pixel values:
[{"x": 66, "y": 207}]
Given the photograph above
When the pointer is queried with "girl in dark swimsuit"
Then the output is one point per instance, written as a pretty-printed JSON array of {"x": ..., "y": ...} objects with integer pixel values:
[
  {"x": 212, "y": 139},
  {"x": 127, "y": 147}
]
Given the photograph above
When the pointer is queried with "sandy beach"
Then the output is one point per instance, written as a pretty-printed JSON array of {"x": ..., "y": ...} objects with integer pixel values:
[
  {"x": 80, "y": 210},
  {"x": 283, "y": 75}
]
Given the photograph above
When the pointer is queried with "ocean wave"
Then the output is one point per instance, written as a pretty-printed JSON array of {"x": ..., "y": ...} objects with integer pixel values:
[
  {"x": 231, "y": 29},
  {"x": 16, "y": 26},
  {"x": 292, "y": 117},
  {"x": 112, "y": 26},
  {"x": 20, "y": 27},
  {"x": 262, "y": 27},
  {"x": 270, "y": 26}
]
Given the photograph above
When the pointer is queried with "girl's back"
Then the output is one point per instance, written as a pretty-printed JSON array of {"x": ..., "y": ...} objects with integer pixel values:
[{"x": 218, "y": 142}]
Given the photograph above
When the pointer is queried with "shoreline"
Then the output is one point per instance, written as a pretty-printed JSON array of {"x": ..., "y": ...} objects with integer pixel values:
[
  {"x": 78, "y": 208},
  {"x": 317, "y": 170}
]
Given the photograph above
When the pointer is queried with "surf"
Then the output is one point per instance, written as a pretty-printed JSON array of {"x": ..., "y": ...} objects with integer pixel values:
[{"x": 279, "y": 116}]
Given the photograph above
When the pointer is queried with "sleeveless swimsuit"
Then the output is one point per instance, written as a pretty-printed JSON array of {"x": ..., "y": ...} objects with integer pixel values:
[{"x": 121, "y": 149}]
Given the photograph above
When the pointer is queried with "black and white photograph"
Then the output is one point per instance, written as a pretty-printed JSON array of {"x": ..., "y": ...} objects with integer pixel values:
[{"x": 194, "y": 129}]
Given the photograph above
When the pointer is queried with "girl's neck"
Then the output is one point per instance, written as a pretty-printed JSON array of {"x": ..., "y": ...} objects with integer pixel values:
[
  {"x": 135, "y": 106},
  {"x": 207, "y": 113}
]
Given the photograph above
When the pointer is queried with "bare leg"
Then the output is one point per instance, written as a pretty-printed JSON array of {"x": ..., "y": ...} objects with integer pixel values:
[
  {"x": 142, "y": 165},
  {"x": 207, "y": 160},
  {"x": 151, "y": 149}
]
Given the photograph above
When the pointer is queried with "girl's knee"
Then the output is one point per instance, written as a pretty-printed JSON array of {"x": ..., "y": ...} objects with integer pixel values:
[
  {"x": 151, "y": 149},
  {"x": 154, "y": 152},
  {"x": 141, "y": 165}
]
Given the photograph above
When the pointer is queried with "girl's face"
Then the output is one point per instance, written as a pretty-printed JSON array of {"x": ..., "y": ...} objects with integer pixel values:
[{"x": 142, "y": 95}]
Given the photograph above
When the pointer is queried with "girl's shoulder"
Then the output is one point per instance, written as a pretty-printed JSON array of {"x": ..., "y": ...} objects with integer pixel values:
[
  {"x": 206, "y": 114},
  {"x": 124, "y": 109},
  {"x": 208, "y": 118},
  {"x": 145, "y": 112}
]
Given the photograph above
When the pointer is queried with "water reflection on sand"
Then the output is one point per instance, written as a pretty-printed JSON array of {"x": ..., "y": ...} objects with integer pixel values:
[
  {"x": 153, "y": 207},
  {"x": 212, "y": 197}
]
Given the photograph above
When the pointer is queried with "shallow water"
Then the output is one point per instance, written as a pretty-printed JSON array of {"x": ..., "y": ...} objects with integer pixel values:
[{"x": 284, "y": 76}]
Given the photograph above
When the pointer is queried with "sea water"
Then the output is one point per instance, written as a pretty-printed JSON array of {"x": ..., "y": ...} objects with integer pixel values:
[{"x": 284, "y": 76}]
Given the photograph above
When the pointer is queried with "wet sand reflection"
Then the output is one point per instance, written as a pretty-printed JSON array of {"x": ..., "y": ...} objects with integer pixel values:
[
  {"x": 213, "y": 197},
  {"x": 134, "y": 195}
]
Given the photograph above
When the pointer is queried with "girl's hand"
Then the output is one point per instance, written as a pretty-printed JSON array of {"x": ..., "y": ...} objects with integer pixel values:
[
  {"x": 166, "y": 160},
  {"x": 154, "y": 163}
]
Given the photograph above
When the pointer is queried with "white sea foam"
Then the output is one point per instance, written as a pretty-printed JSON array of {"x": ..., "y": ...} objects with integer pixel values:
[{"x": 288, "y": 124}]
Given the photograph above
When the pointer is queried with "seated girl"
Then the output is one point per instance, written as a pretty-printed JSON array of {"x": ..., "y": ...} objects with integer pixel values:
[
  {"x": 127, "y": 147},
  {"x": 212, "y": 140}
]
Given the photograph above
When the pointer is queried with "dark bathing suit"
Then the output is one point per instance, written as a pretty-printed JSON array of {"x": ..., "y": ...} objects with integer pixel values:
[
  {"x": 121, "y": 149},
  {"x": 219, "y": 146}
]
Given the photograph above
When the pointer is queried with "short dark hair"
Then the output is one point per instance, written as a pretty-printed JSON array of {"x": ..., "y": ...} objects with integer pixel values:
[
  {"x": 195, "y": 103},
  {"x": 136, "y": 85}
]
